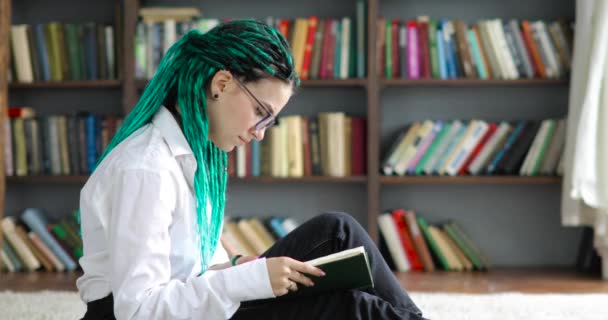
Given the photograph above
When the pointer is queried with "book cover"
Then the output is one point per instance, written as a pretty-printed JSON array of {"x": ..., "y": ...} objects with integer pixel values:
[{"x": 345, "y": 270}]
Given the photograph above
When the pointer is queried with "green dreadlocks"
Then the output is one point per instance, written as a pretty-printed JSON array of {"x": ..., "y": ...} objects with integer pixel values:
[{"x": 248, "y": 49}]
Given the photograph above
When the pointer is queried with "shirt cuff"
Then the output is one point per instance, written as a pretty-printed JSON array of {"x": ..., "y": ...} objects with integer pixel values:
[{"x": 248, "y": 281}]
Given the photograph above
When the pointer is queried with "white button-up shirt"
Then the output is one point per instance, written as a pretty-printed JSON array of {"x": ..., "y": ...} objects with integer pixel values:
[{"x": 141, "y": 240}]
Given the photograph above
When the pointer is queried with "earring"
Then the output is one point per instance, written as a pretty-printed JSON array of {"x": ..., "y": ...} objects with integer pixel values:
[{"x": 215, "y": 96}]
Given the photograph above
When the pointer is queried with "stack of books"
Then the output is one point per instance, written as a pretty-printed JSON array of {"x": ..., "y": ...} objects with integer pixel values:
[
  {"x": 527, "y": 148},
  {"x": 489, "y": 49}
]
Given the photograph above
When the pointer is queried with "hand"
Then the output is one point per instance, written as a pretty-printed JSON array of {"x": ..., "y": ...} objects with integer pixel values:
[{"x": 285, "y": 273}]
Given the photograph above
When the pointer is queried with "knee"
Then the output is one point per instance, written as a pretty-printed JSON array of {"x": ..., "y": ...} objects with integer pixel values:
[{"x": 342, "y": 219}]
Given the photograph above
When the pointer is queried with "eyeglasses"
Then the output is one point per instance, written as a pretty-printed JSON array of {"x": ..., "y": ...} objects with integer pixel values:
[{"x": 267, "y": 117}]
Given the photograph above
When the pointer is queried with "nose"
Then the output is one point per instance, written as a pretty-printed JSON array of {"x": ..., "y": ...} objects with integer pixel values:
[{"x": 258, "y": 134}]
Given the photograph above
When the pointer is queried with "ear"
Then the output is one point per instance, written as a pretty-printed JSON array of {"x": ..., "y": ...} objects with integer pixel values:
[{"x": 222, "y": 80}]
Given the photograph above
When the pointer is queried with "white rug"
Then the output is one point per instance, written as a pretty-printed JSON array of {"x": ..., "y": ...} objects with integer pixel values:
[{"x": 52, "y": 305}]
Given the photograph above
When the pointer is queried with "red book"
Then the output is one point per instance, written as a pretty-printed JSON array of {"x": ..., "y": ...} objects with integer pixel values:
[
  {"x": 310, "y": 39},
  {"x": 327, "y": 40},
  {"x": 395, "y": 47},
  {"x": 359, "y": 146},
  {"x": 491, "y": 129},
  {"x": 406, "y": 239},
  {"x": 284, "y": 28},
  {"x": 423, "y": 49},
  {"x": 526, "y": 32},
  {"x": 20, "y": 112}
]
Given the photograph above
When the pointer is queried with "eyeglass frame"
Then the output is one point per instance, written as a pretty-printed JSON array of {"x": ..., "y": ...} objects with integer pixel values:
[{"x": 270, "y": 114}]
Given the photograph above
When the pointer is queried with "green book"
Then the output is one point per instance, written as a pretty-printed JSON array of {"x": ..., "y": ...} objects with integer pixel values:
[
  {"x": 424, "y": 226},
  {"x": 484, "y": 259},
  {"x": 345, "y": 270},
  {"x": 433, "y": 46},
  {"x": 470, "y": 253},
  {"x": 543, "y": 148},
  {"x": 431, "y": 150},
  {"x": 71, "y": 41},
  {"x": 388, "y": 52}
]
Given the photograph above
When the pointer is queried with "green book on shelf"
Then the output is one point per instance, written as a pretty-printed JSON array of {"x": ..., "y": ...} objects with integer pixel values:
[
  {"x": 345, "y": 270},
  {"x": 469, "y": 252},
  {"x": 424, "y": 226},
  {"x": 431, "y": 150}
]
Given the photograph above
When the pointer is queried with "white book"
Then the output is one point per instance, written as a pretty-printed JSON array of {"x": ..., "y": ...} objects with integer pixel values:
[
  {"x": 455, "y": 147},
  {"x": 169, "y": 34},
  {"x": 21, "y": 248},
  {"x": 21, "y": 53},
  {"x": 110, "y": 57},
  {"x": 345, "y": 50},
  {"x": 485, "y": 42},
  {"x": 410, "y": 151},
  {"x": 393, "y": 242},
  {"x": 503, "y": 47},
  {"x": 294, "y": 146},
  {"x": 552, "y": 155},
  {"x": 547, "y": 44},
  {"x": 400, "y": 147},
  {"x": 6, "y": 261},
  {"x": 490, "y": 148},
  {"x": 478, "y": 132},
  {"x": 274, "y": 137},
  {"x": 284, "y": 163},
  {"x": 495, "y": 50},
  {"x": 241, "y": 161},
  {"x": 289, "y": 225},
  {"x": 526, "y": 168}
]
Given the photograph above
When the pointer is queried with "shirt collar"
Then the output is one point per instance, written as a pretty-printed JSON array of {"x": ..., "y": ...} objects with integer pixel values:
[{"x": 172, "y": 133}]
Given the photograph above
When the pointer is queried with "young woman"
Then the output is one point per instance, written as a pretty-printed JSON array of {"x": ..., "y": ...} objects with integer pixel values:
[{"x": 152, "y": 210}]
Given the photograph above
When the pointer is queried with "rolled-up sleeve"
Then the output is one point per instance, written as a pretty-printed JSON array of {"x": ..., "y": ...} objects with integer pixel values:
[{"x": 140, "y": 245}]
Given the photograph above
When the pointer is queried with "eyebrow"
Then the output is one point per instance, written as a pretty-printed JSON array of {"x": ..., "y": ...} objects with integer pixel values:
[{"x": 267, "y": 105}]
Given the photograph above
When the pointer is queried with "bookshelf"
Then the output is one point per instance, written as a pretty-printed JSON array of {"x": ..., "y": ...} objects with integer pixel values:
[{"x": 387, "y": 103}]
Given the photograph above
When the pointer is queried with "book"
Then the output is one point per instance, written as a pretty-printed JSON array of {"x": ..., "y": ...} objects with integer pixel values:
[{"x": 344, "y": 270}]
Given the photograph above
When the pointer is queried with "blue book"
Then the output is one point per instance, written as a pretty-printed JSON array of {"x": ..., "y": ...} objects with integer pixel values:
[
  {"x": 91, "y": 141},
  {"x": 510, "y": 142},
  {"x": 90, "y": 51},
  {"x": 277, "y": 227},
  {"x": 255, "y": 158},
  {"x": 443, "y": 72},
  {"x": 40, "y": 41},
  {"x": 34, "y": 219}
]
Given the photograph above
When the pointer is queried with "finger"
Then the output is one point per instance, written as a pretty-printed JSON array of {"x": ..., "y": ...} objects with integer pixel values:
[
  {"x": 292, "y": 286},
  {"x": 306, "y": 268},
  {"x": 299, "y": 277}
]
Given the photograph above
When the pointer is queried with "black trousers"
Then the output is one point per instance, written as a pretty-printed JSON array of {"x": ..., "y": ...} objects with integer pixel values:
[{"x": 320, "y": 236}]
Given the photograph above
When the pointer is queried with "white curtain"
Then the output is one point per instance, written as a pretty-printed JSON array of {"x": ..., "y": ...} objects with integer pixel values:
[{"x": 585, "y": 184}]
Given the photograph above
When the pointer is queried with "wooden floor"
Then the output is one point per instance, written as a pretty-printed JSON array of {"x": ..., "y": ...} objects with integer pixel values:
[{"x": 499, "y": 280}]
